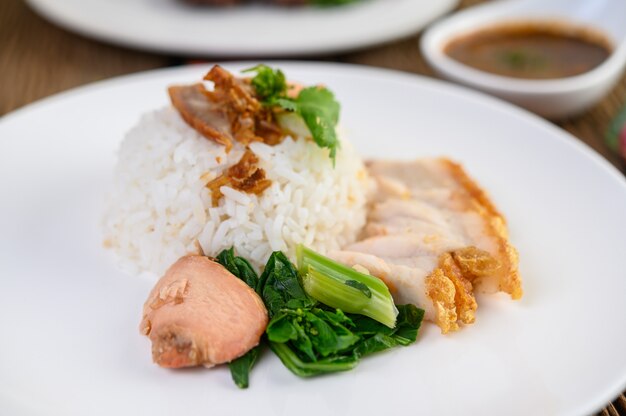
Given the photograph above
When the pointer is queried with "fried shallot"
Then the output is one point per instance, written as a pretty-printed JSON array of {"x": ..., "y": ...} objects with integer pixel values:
[{"x": 244, "y": 176}]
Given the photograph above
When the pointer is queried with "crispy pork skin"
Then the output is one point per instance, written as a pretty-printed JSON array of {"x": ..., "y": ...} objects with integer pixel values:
[{"x": 201, "y": 314}]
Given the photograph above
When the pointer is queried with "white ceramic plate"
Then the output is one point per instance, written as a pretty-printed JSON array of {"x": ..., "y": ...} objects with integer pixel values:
[
  {"x": 69, "y": 342},
  {"x": 173, "y": 27}
]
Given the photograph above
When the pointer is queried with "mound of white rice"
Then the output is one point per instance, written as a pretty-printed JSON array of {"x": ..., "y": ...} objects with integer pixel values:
[{"x": 160, "y": 208}]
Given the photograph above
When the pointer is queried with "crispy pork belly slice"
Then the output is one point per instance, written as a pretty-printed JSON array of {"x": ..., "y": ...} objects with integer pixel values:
[
  {"x": 435, "y": 237},
  {"x": 443, "y": 195},
  {"x": 201, "y": 314}
]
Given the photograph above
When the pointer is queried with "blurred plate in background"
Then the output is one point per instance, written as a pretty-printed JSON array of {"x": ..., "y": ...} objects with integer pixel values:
[{"x": 171, "y": 26}]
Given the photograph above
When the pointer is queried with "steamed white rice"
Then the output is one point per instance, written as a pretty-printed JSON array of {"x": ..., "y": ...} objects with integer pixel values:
[{"x": 160, "y": 208}]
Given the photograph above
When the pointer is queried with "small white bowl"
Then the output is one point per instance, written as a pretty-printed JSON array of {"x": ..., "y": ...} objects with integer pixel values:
[{"x": 553, "y": 98}]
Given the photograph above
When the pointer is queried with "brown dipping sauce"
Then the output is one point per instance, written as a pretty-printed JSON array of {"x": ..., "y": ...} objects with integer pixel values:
[{"x": 532, "y": 50}]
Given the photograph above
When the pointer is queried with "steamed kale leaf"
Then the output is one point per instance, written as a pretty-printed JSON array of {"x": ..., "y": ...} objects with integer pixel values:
[
  {"x": 238, "y": 266},
  {"x": 241, "y": 268},
  {"x": 308, "y": 337},
  {"x": 279, "y": 286},
  {"x": 241, "y": 367},
  {"x": 321, "y": 341}
]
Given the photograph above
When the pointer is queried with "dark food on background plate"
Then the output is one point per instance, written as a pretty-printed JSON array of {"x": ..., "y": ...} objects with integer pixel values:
[
  {"x": 531, "y": 50},
  {"x": 242, "y": 173},
  {"x": 277, "y": 2}
]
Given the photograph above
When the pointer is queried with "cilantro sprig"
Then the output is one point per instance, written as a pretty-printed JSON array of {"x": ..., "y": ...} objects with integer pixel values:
[
  {"x": 315, "y": 105},
  {"x": 269, "y": 83}
]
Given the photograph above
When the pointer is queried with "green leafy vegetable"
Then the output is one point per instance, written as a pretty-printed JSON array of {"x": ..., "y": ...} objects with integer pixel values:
[
  {"x": 377, "y": 337},
  {"x": 316, "y": 332},
  {"x": 310, "y": 338},
  {"x": 410, "y": 318},
  {"x": 313, "y": 341},
  {"x": 241, "y": 367},
  {"x": 308, "y": 351},
  {"x": 301, "y": 368},
  {"x": 240, "y": 267},
  {"x": 315, "y": 105},
  {"x": 344, "y": 288},
  {"x": 279, "y": 285}
]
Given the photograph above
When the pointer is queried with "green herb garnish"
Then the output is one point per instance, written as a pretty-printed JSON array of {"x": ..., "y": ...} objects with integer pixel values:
[
  {"x": 315, "y": 105},
  {"x": 268, "y": 83}
]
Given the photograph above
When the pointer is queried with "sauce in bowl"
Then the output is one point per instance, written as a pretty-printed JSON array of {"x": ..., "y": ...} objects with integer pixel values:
[{"x": 531, "y": 50}]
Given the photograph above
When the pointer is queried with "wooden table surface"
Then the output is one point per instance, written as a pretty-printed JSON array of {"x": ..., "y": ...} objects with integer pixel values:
[{"x": 38, "y": 59}]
